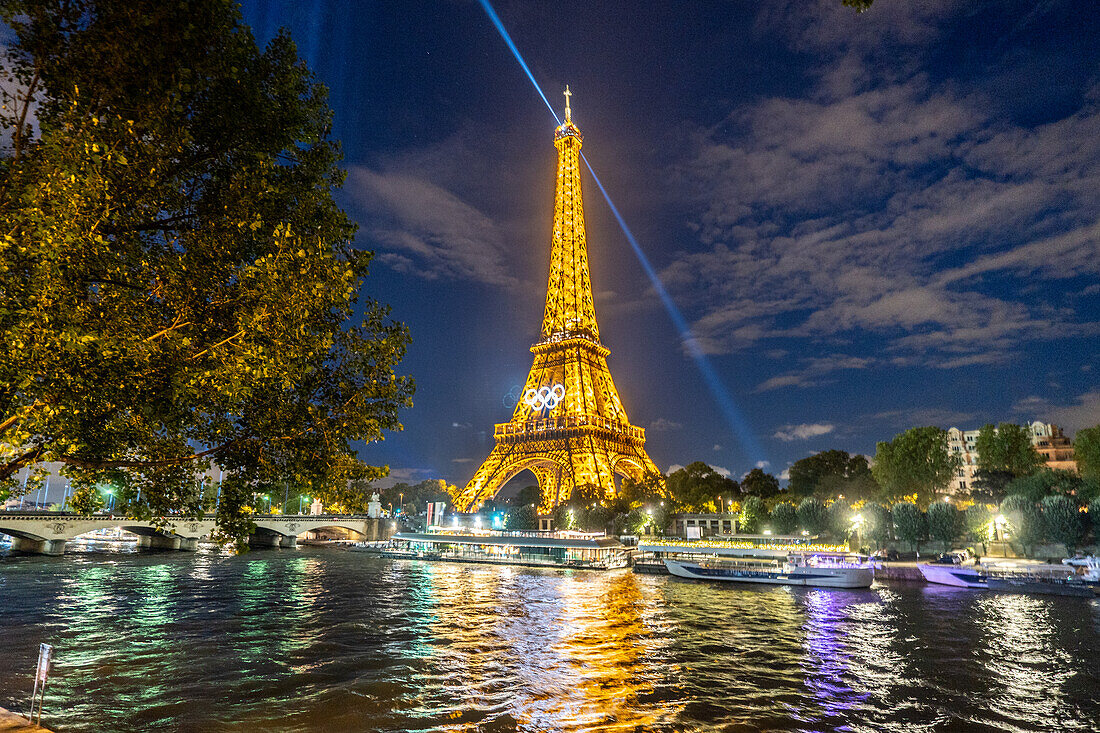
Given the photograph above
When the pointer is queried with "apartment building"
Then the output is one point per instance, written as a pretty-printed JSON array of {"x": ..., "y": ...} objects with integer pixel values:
[{"x": 1048, "y": 439}]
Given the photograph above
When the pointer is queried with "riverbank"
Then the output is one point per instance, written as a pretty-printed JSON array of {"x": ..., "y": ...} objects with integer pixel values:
[{"x": 10, "y": 723}]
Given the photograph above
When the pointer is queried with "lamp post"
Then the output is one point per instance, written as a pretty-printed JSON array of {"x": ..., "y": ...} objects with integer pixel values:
[
  {"x": 401, "y": 502},
  {"x": 999, "y": 523},
  {"x": 268, "y": 497},
  {"x": 857, "y": 522}
]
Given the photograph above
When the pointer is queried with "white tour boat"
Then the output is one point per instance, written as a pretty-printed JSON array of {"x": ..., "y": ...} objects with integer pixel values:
[
  {"x": 822, "y": 571},
  {"x": 960, "y": 576}
]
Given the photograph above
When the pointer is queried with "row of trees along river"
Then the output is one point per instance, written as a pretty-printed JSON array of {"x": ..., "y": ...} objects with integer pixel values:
[{"x": 897, "y": 497}]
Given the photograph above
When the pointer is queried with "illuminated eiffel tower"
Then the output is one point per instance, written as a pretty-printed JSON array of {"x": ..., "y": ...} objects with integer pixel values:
[{"x": 569, "y": 427}]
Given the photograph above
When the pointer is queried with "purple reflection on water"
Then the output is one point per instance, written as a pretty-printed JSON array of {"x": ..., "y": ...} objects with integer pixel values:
[{"x": 826, "y": 663}]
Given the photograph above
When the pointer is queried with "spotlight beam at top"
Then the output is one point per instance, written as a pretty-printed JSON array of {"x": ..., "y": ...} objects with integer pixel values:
[{"x": 730, "y": 412}]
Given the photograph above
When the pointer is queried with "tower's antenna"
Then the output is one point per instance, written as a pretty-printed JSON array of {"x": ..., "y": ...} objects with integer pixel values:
[{"x": 567, "y": 94}]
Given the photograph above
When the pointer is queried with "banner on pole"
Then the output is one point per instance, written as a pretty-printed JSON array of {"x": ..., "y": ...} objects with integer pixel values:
[{"x": 45, "y": 655}]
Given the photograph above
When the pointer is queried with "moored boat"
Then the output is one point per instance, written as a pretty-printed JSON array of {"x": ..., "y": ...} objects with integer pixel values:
[
  {"x": 960, "y": 576},
  {"x": 814, "y": 570}
]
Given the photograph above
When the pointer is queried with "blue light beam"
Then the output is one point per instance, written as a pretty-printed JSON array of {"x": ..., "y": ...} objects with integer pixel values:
[
  {"x": 515, "y": 52},
  {"x": 730, "y": 412}
]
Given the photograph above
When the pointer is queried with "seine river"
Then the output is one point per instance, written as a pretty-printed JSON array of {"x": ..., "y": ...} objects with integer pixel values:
[{"x": 330, "y": 640}]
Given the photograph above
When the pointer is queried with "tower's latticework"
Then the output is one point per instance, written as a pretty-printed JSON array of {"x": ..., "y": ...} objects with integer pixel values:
[{"x": 569, "y": 427}]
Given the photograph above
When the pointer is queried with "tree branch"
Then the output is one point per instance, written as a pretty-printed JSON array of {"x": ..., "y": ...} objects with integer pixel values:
[
  {"x": 161, "y": 463},
  {"x": 15, "y": 465}
]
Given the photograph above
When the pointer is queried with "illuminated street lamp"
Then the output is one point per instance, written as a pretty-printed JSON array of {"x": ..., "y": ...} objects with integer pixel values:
[
  {"x": 301, "y": 502},
  {"x": 857, "y": 522},
  {"x": 999, "y": 523},
  {"x": 268, "y": 497}
]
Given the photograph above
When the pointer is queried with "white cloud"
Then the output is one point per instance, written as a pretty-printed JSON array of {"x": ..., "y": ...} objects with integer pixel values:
[
  {"x": 882, "y": 202},
  {"x": 805, "y": 431},
  {"x": 427, "y": 230},
  {"x": 1084, "y": 412},
  {"x": 717, "y": 447},
  {"x": 763, "y": 464},
  {"x": 462, "y": 460},
  {"x": 662, "y": 425}
]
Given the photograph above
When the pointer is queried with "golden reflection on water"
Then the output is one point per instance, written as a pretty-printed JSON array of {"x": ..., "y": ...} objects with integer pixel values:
[{"x": 564, "y": 651}]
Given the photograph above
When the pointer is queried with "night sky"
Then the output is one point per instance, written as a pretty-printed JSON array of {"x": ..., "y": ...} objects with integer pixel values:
[{"x": 869, "y": 222}]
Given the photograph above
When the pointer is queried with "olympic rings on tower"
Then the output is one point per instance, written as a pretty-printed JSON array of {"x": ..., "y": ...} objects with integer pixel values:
[{"x": 546, "y": 397}]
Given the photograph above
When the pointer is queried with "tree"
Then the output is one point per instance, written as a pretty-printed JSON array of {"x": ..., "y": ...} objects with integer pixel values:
[
  {"x": 1063, "y": 522},
  {"x": 649, "y": 490},
  {"x": 1086, "y": 450},
  {"x": 1094, "y": 512},
  {"x": 1050, "y": 482},
  {"x": 1007, "y": 449},
  {"x": 813, "y": 516},
  {"x": 879, "y": 523},
  {"x": 760, "y": 484},
  {"x": 1025, "y": 521},
  {"x": 943, "y": 523},
  {"x": 915, "y": 462},
  {"x": 829, "y": 473},
  {"x": 978, "y": 519},
  {"x": 527, "y": 496},
  {"x": 806, "y": 473},
  {"x": 753, "y": 512},
  {"x": 784, "y": 518},
  {"x": 178, "y": 284},
  {"x": 699, "y": 488},
  {"x": 522, "y": 517},
  {"x": 840, "y": 520},
  {"x": 989, "y": 486},
  {"x": 911, "y": 523}
]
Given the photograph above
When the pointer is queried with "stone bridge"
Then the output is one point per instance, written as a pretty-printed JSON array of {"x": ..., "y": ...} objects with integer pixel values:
[{"x": 47, "y": 532}]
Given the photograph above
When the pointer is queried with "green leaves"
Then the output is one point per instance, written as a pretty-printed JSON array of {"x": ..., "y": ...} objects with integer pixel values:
[
  {"x": 915, "y": 462},
  {"x": 179, "y": 286}
]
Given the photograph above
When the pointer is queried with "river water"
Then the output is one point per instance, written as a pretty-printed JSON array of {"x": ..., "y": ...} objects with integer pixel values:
[{"x": 329, "y": 640}]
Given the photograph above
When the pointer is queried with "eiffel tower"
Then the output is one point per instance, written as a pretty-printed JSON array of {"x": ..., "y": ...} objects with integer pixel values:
[{"x": 569, "y": 427}]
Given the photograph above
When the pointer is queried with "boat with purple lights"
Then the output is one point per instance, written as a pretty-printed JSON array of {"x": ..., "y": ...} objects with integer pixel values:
[{"x": 816, "y": 570}]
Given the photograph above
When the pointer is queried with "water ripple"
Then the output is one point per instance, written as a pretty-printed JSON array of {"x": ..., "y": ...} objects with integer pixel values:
[{"x": 328, "y": 640}]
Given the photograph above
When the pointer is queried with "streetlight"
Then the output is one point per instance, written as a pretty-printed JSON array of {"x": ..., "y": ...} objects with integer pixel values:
[
  {"x": 301, "y": 503},
  {"x": 999, "y": 523},
  {"x": 857, "y": 521},
  {"x": 268, "y": 497},
  {"x": 401, "y": 502}
]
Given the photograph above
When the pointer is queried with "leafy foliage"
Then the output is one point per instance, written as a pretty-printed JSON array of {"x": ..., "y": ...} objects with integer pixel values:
[
  {"x": 523, "y": 516},
  {"x": 1025, "y": 521},
  {"x": 840, "y": 520},
  {"x": 915, "y": 462},
  {"x": 1051, "y": 482},
  {"x": 878, "y": 523},
  {"x": 1063, "y": 521},
  {"x": 977, "y": 519},
  {"x": 1007, "y": 448},
  {"x": 1094, "y": 512},
  {"x": 413, "y": 498},
  {"x": 753, "y": 513},
  {"x": 911, "y": 523},
  {"x": 784, "y": 518},
  {"x": 758, "y": 483},
  {"x": 1086, "y": 450},
  {"x": 943, "y": 523},
  {"x": 833, "y": 473},
  {"x": 178, "y": 284},
  {"x": 813, "y": 516},
  {"x": 989, "y": 487},
  {"x": 647, "y": 492},
  {"x": 699, "y": 488}
]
